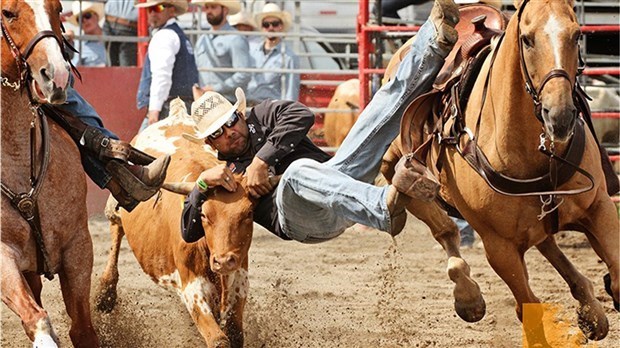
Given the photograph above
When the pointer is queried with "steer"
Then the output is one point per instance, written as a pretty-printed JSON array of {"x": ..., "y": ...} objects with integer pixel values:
[{"x": 210, "y": 275}]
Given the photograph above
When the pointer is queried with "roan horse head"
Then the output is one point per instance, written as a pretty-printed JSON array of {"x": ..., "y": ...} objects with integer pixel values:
[
  {"x": 32, "y": 56},
  {"x": 549, "y": 45}
]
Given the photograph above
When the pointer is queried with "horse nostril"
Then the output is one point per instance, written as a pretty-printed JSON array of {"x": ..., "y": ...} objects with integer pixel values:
[{"x": 47, "y": 72}]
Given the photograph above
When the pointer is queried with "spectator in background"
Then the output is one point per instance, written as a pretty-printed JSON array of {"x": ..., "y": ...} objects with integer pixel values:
[
  {"x": 87, "y": 15},
  {"x": 169, "y": 70},
  {"x": 242, "y": 21},
  {"x": 221, "y": 51},
  {"x": 273, "y": 53},
  {"x": 121, "y": 20}
]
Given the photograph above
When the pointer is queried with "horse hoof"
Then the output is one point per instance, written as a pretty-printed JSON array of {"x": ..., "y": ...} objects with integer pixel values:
[
  {"x": 594, "y": 327},
  {"x": 471, "y": 312},
  {"x": 607, "y": 281}
]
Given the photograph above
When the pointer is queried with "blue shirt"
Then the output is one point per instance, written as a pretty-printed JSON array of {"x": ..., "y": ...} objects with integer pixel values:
[
  {"x": 92, "y": 53},
  {"x": 122, "y": 9},
  {"x": 270, "y": 85},
  {"x": 223, "y": 51}
]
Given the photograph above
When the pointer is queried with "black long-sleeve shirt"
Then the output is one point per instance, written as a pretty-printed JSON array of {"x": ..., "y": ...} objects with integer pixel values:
[{"x": 278, "y": 135}]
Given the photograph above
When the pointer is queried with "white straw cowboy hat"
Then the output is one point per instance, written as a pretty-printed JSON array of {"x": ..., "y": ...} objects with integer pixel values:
[
  {"x": 242, "y": 17},
  {"x": 495, "y": 3},
  {"x": 233, "y": 6},
  {"x": 273, "y": 10},
  {"x": 211, "y": 111},
  {"x": 180, "y": 6},
  {"x": 87, "y": 6}
]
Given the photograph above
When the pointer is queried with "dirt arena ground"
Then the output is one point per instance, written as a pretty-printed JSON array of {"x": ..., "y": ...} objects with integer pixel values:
[{"x": 360, "y": 290}]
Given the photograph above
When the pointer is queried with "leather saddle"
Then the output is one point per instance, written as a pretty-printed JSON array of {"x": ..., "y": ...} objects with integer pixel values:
[{"x": 479, "y": 23}]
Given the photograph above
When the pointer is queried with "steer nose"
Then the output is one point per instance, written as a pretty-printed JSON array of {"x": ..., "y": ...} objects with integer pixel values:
[{"x": 225, "y": 263}]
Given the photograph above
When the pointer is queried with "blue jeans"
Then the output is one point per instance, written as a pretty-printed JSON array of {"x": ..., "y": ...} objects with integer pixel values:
[
  {"x": 465, "y": 230},
  {"x": 318, "y": 201},
  {"x": 80, "y": 108}
]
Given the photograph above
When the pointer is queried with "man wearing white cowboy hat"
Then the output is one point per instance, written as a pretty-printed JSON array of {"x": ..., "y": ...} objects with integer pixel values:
[
  {"x": 273, "y": 53},
  {"x": 169, "y": 70},
  {"x": 86, "y": 14},
  {"x": 221, "y": 50},
  {"x": 317, "y": 198}
]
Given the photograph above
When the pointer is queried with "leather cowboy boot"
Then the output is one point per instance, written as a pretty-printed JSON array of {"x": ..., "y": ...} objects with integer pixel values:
[
  {"x": 122, "y": 197},
  {"x": 142, "y": 178},
  {"x": 137, "y": 182}
]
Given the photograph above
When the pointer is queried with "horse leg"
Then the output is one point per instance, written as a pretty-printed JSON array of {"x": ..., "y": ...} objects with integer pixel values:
[
  {"x": 106, "y": 294},
  {"x": 18, "y": 296},
  {"x": 592, "y": 319},
  {"x": 507, "y": 261},
  {"x": 77, "y": 266},
  {"x": 35, "y": 285},
  {"x": 468, "y": 301},
  {"x": 603, "y": 231}
]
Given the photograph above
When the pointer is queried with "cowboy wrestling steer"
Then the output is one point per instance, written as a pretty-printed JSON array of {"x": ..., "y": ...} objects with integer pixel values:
[{"x": 210, "y": 275}]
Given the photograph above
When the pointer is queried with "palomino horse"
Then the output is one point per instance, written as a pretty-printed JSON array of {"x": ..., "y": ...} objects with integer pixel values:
[
  {"x": 44, "y": 219},
  {"x": 523, "y": 114}
]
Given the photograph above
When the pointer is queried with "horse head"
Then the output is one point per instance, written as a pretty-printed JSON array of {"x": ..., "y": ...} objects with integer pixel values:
[
  {"x": 32, "y": 54},
  {"x": 549, "y": 48}
]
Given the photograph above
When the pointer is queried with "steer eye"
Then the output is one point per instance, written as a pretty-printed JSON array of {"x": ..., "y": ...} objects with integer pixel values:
[{"x": 10, "y": 16}]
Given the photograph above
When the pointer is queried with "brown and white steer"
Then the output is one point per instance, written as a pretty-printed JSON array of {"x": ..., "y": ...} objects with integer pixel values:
[{"x": 214, "y": 299}]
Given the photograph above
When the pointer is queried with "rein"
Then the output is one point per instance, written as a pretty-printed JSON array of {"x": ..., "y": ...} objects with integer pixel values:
[{"x": 26, "y": 202}]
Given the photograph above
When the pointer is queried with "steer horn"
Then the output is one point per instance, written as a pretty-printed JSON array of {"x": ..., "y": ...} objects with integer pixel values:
[{"x": 182, "y": 188}]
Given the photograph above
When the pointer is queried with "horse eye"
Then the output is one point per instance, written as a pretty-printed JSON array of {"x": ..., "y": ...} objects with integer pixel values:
[
  {"x": 9, "y": 15},
  {"x": 529, "y": 42}
]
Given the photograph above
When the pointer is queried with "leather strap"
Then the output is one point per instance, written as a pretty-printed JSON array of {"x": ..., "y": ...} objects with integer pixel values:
[{"x": 26, "y": 202}]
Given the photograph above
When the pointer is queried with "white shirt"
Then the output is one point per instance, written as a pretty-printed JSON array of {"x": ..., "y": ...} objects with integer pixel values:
[{"x": 163, "y": 48}]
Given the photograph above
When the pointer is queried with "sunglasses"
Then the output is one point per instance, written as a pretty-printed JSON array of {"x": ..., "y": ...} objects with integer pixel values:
[
  {"x": 275, "y": 24},
  {"x": 158, "y": 8},
  {"x": 232, "y": 121},
  {"x": 87, "y": 15}
]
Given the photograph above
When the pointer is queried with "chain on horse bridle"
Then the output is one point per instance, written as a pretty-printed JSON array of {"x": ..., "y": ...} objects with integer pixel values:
[{"x": 26, "y": 202}]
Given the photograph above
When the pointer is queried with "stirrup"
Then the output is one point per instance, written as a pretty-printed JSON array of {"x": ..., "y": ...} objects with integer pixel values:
[
  {"x": 130, "y": 183},
  {"x": 125, "y": 201}
]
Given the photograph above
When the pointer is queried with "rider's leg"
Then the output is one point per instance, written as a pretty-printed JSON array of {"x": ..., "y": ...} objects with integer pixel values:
[{"x": 127, "y": 182}]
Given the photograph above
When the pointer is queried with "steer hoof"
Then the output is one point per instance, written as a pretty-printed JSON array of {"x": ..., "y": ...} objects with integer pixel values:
[
  {"x": 106, "y": 299},
  {"x": 221, "y": 342}
]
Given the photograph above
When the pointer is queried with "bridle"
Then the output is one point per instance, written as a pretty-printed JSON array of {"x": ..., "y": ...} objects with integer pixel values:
[
  {"x": 24, "y": 74},
  {"x": 26, "y": 202}
]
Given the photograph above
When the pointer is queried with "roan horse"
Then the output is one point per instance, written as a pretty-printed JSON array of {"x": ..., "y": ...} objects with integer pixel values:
[
  {"x": 522, "y": 115},
  {"x": 44, "y": 219}
]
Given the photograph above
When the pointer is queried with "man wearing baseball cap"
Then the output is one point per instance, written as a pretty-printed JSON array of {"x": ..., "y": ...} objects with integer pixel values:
[
  {"x": 317, "y": 198},
  {"x": 221, "y": 50}
]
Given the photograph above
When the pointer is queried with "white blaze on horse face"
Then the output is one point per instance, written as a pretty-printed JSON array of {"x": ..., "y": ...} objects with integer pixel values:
[
  {"x": 554, "y": 29},
  {"x": 50, "y": 45}
]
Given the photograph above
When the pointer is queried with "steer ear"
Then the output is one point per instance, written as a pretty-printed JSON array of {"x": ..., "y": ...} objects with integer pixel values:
[{"x": 182, "y": 188}]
